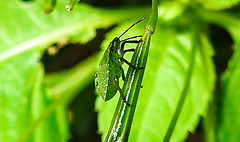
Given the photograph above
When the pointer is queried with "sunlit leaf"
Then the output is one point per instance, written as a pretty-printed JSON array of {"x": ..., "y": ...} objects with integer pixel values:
[{"x": 228, "y": 127}]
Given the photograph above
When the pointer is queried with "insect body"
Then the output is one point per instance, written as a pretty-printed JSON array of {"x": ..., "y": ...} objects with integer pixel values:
[{"x": 110, "y": 67}]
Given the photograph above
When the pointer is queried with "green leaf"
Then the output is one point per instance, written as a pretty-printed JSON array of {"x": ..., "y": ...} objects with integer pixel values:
[
  {"x": 169, "y": 10},
  {"x": 219, "y": 4},
  {"x": 53, "y": 126},
  {"x": 228, "y": 21},
  {"x": 229, "y": 126},
  {"x": 43, "y": 29},
  {"x": 162, "y": 84},
  {"x": 226, "y": 127},
  {"x": 17, "y": 78}
]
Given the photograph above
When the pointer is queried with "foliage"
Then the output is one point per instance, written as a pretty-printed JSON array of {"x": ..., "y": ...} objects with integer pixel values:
[{"x": 33, "y": 104}]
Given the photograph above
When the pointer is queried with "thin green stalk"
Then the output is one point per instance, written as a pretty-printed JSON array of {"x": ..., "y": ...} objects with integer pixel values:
[
  {"x": 184, "y": 91},
  {"x": 71, "y": 4},
  {"x": 123, "y": 116},
  {"x": 152, "y": 22},
  {"x": 48, "y": 5}
]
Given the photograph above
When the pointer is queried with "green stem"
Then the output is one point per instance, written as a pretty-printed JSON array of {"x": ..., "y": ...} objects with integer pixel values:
[
  {"x": 71, "y": 4},
  {"x": 152, "y": 22},
  {"x": 184, "y": 91},
  {"x": 48, "y": 5},
  {"x": 123, "y": 116}
]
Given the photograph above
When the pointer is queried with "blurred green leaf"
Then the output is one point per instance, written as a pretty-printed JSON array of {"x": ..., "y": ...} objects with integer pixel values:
[
  {"x": 176, "y": 8},
  {"x": 224, "y": 119},
  {"x": 53, "y": 126},
  {"x": 17, "y": 79},
  {"x": 218, "y": 4},
  {"x": 228, "y": 21},
  {"x": 229, "y": 126},
  {"x": 32, "y": 29},
  {"x": 163, "y": 82},
  {"x": 229, "y": 116}
]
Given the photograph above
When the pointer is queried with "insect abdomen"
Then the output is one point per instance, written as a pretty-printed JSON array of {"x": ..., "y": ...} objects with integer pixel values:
[{"x": 104, "y": 81}]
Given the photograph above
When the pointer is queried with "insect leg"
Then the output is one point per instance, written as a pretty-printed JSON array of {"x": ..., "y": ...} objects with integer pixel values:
[
  {"x": 123, "y": 75},
  {"x": 123, "y": 98},
  {"x": 129, "y": 50},
  {"x": 132, "y": 66},
  {"x": 128, "y": 41},
  {"x": 131, "y": 37}
]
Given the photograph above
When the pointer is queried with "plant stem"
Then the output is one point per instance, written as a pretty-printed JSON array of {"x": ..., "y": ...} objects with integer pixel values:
[
  {"x": 184, "y": 91},
  {"x": 48, "y": 5},
  {"x": 71, "y": 4},
  {"x": 152, "y": 22},
  {"x": 123, "y": 116}
]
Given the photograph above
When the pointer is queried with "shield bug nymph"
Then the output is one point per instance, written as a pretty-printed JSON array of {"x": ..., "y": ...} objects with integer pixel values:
[{"x": 110, "y": 66}]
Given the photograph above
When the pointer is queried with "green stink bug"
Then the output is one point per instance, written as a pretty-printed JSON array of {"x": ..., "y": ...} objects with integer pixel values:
[{"x": 110, "y": 67}]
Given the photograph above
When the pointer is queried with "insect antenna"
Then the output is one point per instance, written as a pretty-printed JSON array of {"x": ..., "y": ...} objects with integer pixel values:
[{"x": 132, "y": 26}]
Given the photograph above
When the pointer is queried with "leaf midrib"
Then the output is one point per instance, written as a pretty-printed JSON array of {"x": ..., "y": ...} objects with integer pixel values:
[{"x": 41, "y": 41}]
